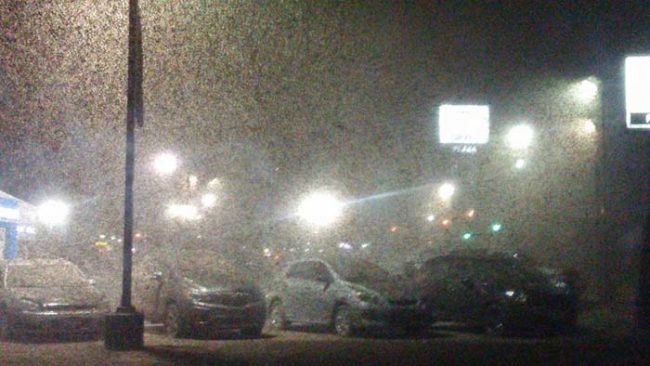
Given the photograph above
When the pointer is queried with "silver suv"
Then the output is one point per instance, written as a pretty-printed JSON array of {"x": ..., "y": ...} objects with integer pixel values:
[{"x": 350, "y": 295}]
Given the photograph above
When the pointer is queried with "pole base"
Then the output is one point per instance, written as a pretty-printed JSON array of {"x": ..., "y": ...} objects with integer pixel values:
[{"x": 124, "y": 331}]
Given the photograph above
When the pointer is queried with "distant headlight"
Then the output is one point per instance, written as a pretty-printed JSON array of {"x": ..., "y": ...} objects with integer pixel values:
[
  {"x": 367, "y": 297},
  {"x": 517, "y": 296}
]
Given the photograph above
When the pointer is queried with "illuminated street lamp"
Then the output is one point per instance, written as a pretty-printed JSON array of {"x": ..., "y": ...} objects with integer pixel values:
[
  {"x": 446, "y": 191},
  {"x": 586, "y": 90},
  {"x": 208, "y": 200},
  {"x": 588, "y": 126},
  {"x": 53, "y": 212},
  {"x": 320, "y": 209},
  {"x": 183, "y": 212},
  {"x": 520, "y": 137},
  {"x": 165, "y": 163},
  {"x": 520, "y": 163}
]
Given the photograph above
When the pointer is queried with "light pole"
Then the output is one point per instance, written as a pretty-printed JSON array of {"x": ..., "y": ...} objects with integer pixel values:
[{"x": 124, "y": 329}]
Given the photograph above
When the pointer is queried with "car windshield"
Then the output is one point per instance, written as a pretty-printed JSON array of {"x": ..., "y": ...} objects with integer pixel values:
[
  {"x": 361, "y": 271},
  {"x": 44, "y": 276},
  {"x": 205, "y": 268}
]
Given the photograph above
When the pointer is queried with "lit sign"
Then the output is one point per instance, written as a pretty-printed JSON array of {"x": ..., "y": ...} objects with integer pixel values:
[
  {"x": 9, "y": 213},
  {"x": 637, "y": 91},
  {"x": 464, "y": 124}
]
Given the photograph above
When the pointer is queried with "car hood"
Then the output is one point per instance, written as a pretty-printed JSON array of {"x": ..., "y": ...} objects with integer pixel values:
[
  {"x": 59, "y": 297},
  {"x": 392, "y": 290}
]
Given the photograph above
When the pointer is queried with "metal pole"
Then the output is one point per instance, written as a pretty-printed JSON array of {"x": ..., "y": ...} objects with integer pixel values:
[{"x": 134, "y": 112}]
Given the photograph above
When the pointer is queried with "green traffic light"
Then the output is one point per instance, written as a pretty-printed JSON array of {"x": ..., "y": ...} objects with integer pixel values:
[
  {"x": 496, "y": 227},
  {"x": 467, "y": 236}
]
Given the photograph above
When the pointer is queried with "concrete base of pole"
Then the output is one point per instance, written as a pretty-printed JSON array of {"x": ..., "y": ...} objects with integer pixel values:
[{"x": 124, "y": 331}]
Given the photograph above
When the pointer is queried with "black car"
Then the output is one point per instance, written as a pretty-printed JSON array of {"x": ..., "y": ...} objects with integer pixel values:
[
  {"x": 349, "y": 295},
  {"x": 44, "y": 297},
  {"x": 198, "y": 292},
  {"x": 497, "y": 292}
]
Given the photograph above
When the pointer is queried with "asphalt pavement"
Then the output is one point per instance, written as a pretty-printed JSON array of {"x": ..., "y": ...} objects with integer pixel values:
[{"x": 310, "y": 348}]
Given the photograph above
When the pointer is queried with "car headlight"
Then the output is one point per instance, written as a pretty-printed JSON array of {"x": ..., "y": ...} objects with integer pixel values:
[
  {"x": 517, "y": 296},
  {"x": 367, "y": 297}
]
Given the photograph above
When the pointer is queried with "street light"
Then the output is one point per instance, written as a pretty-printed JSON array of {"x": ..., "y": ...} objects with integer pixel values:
[
  {"x": 520, "y": 137},
  {"x": 183, "y": 212},
  {"x": 320, "y": 209},
  {"x": 208, "y": 200},
  {"x": 586, "y": 90},
  {"x": 446, "y": 191},
  {"x": 520, "y": 163},
  {"x": 53, "y": 212},
  {"x": 165, "y": 163}
]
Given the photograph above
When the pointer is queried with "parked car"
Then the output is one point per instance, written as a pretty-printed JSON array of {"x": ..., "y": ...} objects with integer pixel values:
[
  {"x": 198, "y": 292},
  {"x": 349, "y": 295},
  {"x": 48, "y": 298},
  {"x": 497, "y": 292}
]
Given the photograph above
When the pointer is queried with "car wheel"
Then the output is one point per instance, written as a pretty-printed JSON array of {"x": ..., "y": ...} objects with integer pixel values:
[
  {"x": 277, "y": 319},
  {"x": 343, "y": 321},
  {"x": 494, "y": 324},
  {"x": 173, "y": 322}
]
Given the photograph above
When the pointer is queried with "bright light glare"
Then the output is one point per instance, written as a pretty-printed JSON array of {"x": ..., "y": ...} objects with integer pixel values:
[
  {"x": 496, "y": 227},
  {"x": 184, "y": 212},
  {"x": 320, "y": 209},
  {"x": 520, "y": 163},
  {"x": 520, "y": 137},
  {"x": 464, "y": 124},
  {"x": 588, "y": 126},
  {"x": 637, "y": 91},
  {"x": 345, "y": 246},
  {"x": 587, "y": 90},
  {"x": 193, "y": 180},
  {"x": 446, "y": 191},
  {"x": 470, "y": 213},
  {"x": 165, "y": 163},
  {"x": 208, "y": 200},
  {"x": 53, "y": 212},
  {"x": 430, "y": 218}
]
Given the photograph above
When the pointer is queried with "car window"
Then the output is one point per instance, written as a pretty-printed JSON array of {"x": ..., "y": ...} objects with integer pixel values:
[{"x": 308, "y": 271}]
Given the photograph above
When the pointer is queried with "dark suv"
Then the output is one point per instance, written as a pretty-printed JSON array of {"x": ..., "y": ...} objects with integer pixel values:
[
  {"x": 198, "y": 292},
  {"x": 499, "y": 292},
  {"x": 349, "y": 295}
]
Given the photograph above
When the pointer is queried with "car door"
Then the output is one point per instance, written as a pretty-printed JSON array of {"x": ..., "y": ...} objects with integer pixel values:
[
  {"x": 317, "y": 288},
  {"x": 438, "y": 288},
  {"x": 148, "y": 283},
  {"x": 293, "y": 296}
]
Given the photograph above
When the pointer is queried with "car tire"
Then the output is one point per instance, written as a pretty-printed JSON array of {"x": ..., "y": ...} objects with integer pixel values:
[
  {"x": 277, "y": 319},
  {"x": 494, "y": 325},
  {"x": 172, "y": 321},
  {"x": 344, "y": 322}
]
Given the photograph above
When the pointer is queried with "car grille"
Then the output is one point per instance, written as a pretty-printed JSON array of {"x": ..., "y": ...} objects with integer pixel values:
[
  {"x": 230, "y": 298},
  {"x": 403, "y": 302}
]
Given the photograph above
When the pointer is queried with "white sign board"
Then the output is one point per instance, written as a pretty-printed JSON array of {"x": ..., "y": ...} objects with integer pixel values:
[
  {"x": 464, "y": 124},
  {"x": 637, "y": 91}
]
